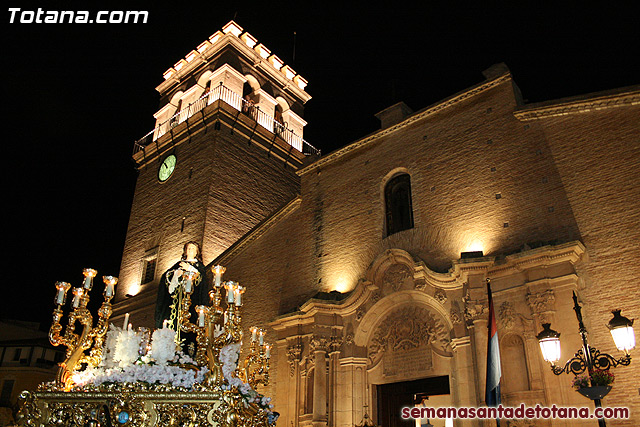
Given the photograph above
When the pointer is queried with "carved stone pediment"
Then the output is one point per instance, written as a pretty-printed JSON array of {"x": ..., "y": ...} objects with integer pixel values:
[
  {"x": 395, "y": 276},
  {"x": 405, "y": 329}
]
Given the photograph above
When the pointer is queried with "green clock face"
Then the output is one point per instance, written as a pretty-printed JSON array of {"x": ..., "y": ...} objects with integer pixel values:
[{"x": 167, "y": 167}]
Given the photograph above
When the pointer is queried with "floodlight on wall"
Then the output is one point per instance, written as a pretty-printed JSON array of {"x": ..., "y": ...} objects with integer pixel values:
[{"x": 471, "y": 254}]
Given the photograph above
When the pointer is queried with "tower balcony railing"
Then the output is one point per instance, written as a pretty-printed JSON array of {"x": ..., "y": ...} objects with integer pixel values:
[{"x": 230, "y": 97}]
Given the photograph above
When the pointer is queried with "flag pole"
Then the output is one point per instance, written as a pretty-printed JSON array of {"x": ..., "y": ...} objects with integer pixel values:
[{"x": 494, "y": 371}]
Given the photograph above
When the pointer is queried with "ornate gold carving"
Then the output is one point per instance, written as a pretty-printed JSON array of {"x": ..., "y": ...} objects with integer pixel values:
[
  {"x": 78, "y": 344},
  {"x": 139, "y": 409}
]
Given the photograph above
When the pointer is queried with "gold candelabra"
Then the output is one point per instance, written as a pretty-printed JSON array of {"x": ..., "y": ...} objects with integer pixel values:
[
  {"x": 217, "y": 327},
  {"x": 90, "y": 337},
  {"x": 255, "y": 368},
  {"x": 140, "y": 403}
]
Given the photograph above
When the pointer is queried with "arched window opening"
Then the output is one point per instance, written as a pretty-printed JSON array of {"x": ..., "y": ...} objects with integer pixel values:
[
  {"x": 279, "y": 120},
  {"x": 397, "y": 197},
  {"x": 248, "y": 100},
  {"x": 175, "y": 118}
]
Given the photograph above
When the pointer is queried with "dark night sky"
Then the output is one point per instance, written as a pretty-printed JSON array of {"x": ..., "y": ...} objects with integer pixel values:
[{"x": 78, "y": 95}]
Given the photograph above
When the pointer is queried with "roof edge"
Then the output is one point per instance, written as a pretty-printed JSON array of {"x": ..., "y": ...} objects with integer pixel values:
[
  {"x": 620, "y": 97},
  {"x": 432, "y": 109}
]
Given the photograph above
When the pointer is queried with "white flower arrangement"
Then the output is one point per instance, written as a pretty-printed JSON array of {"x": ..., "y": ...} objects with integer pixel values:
[
  {"x": 163, "y": 364},
  {"x": 148, "y": 373},
  {"x": 127, "y": 346},
  {"x": 110, "y": 346},
  {"x": 163, "y": 345}
]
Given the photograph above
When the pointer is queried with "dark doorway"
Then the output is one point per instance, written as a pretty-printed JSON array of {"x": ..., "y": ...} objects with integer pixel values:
[{"x": 393, "y": 397}]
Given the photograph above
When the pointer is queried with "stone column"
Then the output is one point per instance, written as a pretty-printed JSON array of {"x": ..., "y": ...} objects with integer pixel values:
[
  {"x": 294, "y": 352},
  {"x": 334, "y": 363},
  {"x": 319, "y": 348},
  {"x": 480, "y": 340}
]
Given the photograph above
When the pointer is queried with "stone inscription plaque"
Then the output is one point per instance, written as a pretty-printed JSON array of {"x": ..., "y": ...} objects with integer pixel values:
[{"x": 406, "y": 363}]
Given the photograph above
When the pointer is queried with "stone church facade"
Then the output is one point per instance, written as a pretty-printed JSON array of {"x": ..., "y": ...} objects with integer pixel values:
[{"x": 368, "y": 266}]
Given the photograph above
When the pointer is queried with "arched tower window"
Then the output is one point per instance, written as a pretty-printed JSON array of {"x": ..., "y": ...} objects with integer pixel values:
[{"x": 397, "y": 198}]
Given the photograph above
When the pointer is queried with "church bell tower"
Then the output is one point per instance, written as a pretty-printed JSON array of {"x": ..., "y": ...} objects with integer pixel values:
[{"x": 221, "y": 158}]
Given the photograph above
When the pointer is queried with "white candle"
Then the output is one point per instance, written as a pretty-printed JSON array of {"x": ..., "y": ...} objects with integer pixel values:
[
  {"x": 187, "y": 285},
  {"x": 89, "y": 274},
  {"x": 126, "y": 321},
  {"x": 201, "y": 318},
  {"x": 238, "y": 297},
  {"x": 268, "y": 351},
  {"x": 164, "y": 324},
  {"x": 130, "y": 326},
  {"x": 110, "y": 283},
  {"x": 261, "y": 339},
  {"x": 254, "y": 332},
  {"x": 218, "y": 270},
  {"x": 60, "y": 296},
  {"x": 231, "y": 287},
  {"x": 77, "y": 294},
  {"x": 62, "y": 288}
]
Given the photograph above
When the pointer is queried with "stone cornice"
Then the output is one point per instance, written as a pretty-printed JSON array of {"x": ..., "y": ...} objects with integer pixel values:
[
  {"x": 256, "y": 232},
  {"x": 623, "y": 98},
  {"x": 368, "y": 140},
  {"x": 250, "y": 55}
]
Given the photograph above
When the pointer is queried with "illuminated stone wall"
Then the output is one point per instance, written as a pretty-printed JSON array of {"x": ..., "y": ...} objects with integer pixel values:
[
  {"x": 598, "y": 157},
  {"x": 475, "y": 167},
  {"x": 221, "y": 188}
]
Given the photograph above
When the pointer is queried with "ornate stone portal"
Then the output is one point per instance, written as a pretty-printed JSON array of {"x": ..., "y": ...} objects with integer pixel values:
[
  {"x": 404, "y": 322},
  {"x": 403, "y": 342}
]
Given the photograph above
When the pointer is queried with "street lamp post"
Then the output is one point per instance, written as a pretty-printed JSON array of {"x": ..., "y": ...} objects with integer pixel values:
[{"x": 589, "y": 358}]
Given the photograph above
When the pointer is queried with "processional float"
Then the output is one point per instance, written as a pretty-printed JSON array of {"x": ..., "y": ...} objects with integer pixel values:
[{"x": 114, "y": 376}]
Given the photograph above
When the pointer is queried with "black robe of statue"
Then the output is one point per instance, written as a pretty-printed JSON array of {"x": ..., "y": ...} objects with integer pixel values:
[{"x": 200, "y": 296}]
